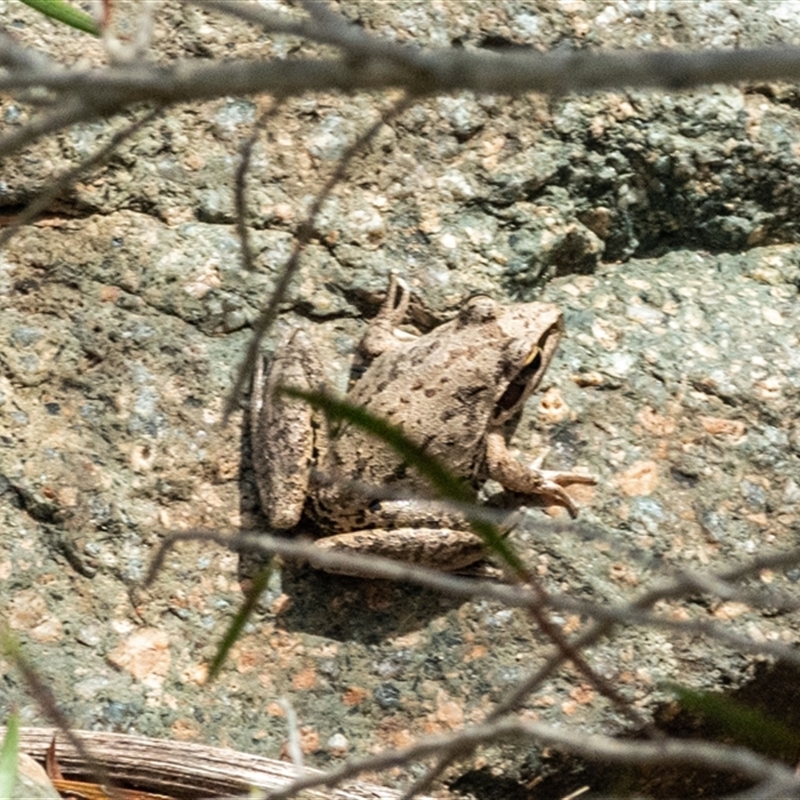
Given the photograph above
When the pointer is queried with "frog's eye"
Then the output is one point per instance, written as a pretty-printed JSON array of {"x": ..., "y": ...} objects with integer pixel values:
[
  {"x": 520, "y": 355},
  {"x": 534, "y": 354},
  {"x": 479, "y": 308}
]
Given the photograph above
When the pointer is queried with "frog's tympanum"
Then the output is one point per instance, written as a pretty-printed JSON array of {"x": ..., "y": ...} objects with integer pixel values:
[{"x": 457, "y": 391}]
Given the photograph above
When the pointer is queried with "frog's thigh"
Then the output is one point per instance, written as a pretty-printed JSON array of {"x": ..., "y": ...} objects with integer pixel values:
[
  {"x": 440, "y": 548},
  {"x": 282, "y": 433}
]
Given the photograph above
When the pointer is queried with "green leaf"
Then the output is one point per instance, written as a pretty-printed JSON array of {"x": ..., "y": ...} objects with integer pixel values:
[
  {"x": 448, "y": 485},
  {"x": 62, "y": 11},
  {"x": 9, "y": 754},
  {"x": 242, "y": 615}
]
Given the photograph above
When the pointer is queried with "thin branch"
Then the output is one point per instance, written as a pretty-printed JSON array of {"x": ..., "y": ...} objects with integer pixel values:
[
  {"x": 785, "y": 559},
  {"x": 626, "y": 615},
  {"x": 239, "y": 184},
  {"x": 71, "y": 111},
  {"x": 324, "y": 26},
  {"x": 435, "y": 71},
  {"x": 595, "y": 747},
  {"x": 42, "y": 693},
  {"x": 446, "y": 70},
  {"x": 419, "y": 73},
  {"x": 66, "y": 179},
  {"x": 332, "y": 560},
  {"x": 15, "y": 56},
  {"x": 304, "y": 233},
  {"x": 464, "y": 588}
]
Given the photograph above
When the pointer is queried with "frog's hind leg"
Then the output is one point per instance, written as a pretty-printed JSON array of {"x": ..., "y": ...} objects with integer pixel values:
[
  {"x": 438, "y": 548},
  {"x": 282, "y": 429}
]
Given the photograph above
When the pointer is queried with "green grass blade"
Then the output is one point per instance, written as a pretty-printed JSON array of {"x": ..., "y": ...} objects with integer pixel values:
[
  {"x": 62, "y": 11},
  {"x": 746, "y": 725},
  {"x": 242, "y": 615},
  {"x": 448, "y": 485},
  {"x": 9, "y": 757}
]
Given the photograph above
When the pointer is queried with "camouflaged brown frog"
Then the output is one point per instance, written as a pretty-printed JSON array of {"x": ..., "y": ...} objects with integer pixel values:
[{"x": 457, "y": 391}]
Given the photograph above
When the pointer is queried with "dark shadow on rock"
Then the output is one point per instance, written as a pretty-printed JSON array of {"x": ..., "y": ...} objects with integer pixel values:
[
  {"x": 774, "y": 691},
  {"x": 354, "y": 609},
  {"x": 336, "y": 606}
]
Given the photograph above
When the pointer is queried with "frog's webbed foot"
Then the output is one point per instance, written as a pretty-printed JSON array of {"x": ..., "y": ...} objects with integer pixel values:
[
  {"x": 533, "y": 480},
  {"x": 381, "y": 333},
  {"x": 438, "y": 548}
]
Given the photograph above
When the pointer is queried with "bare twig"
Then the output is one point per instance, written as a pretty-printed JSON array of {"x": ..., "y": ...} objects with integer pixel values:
[
  {"x": 239, "y": 187},
  {"x": 438, "y": 72},
  {"x": 669, "y": 752},
  {"x": 432, "y": 71},
  {"x": 66, "y": 179},
  {"x": 294, "y": 746},
  {"x": 305, "y": 231},
  {"x": 40, "y": 691},
  {"x": 69, "y": 112},
  {"x": 374, "y": 64},
  {"x": 17, "y": 57},
  {"x": 509, "y": 595}
]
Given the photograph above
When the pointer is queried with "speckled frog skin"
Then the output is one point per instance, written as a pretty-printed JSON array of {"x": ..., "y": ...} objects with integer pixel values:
[{"x": 457, "y": 391}]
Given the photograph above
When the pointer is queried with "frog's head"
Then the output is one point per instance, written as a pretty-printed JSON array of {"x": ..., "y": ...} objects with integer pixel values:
[{"x": 528, "y": 336}]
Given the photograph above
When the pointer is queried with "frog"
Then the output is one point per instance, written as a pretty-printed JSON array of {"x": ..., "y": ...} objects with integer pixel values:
[{"x": 457, "y": 391}]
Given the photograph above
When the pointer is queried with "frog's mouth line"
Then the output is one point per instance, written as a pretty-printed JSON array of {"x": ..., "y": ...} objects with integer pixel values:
[{"x": 520, "y": 385}]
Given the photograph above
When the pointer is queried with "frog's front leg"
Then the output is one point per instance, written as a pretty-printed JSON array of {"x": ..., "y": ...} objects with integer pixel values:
[
  {"x": 282, "y": 429},
  {"x": 438, "y": 548},
  {"x": 512, "y": 475}
]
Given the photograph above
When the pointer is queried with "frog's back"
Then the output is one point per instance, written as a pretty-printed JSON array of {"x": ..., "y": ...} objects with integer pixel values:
[{"x": 440, "y": 391}]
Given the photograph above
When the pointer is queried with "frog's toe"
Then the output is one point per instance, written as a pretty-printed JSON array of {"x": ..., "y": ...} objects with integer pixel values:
[
  {"x": 566, "y": 478},
  {"x": 553, "y": 494}
]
